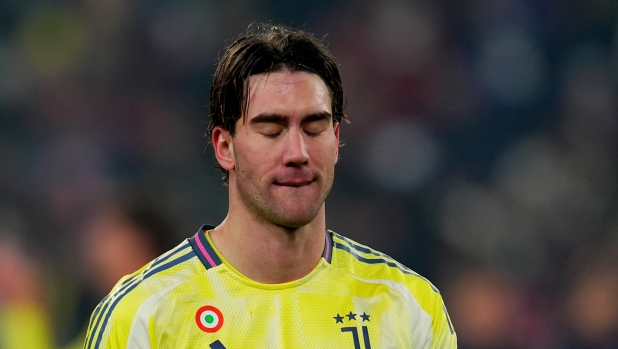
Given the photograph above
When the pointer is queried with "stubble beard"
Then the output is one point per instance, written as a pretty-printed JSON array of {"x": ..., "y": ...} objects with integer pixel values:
[{"x": 289, "y": 211}]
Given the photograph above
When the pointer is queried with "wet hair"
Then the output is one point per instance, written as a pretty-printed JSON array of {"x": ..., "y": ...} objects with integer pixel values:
[{"x": 267, "y": 48}]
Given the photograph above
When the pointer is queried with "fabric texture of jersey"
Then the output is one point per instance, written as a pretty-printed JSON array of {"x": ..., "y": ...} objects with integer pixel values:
[{"x": 191, "y": 297}]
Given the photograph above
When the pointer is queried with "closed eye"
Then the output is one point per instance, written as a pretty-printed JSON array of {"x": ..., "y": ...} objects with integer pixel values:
[
  {"x": 314, "y": 128},
  {"x": 269, "y": 125},
  {"x": 269, "y": 129},
  {"x": 313, "y": 134},
  {"x": 272, "y": 135}
]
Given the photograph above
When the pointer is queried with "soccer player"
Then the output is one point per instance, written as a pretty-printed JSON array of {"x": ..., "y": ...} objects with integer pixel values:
[{"x": 271, "y": 275}]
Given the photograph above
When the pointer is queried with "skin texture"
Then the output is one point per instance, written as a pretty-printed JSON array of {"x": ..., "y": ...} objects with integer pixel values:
[{"x": 281, "y": 161}]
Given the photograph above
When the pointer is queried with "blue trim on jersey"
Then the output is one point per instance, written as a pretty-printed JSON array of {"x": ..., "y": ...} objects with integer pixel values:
[
  {"x": 169, "y": 254},
  {"x": 365, "y": 249},
  {"x": 384, "y": 261},
  {"x": 328, "y": 247},
  {"x": 103, "y": 305},
  {"x": 448, "y": 319},
  {"x": 217, "y": 345},
  {"x": 128, "y": 288},
  {"x": 198, "y": 253},
  {"x": 208, "y": 246},
  {"x": 94, "y": 316},
  {"x": 157, "y": 261},
  {"x": 368, "y": 260},
  {"x": 392, "y": 263},
  {"x": 201, "y": 235}
]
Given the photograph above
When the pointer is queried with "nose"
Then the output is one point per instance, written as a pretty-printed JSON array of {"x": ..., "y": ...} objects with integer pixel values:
[{"x": 295, "y": 152}]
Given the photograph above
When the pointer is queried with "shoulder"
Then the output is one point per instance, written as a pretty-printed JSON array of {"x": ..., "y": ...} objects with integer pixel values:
[
  {"x": 168, "y": 269},
  {"x": 371, "y": 266},
  {"x": 368, "y": 263},
  {"x": 113, "y": 318}
]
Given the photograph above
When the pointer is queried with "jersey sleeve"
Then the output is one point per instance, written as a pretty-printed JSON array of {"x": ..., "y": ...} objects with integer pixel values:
[
  {"x": 113, "y": 319},
  {"x": 440, "y": 333},
  {"x": 444, "y": 336}
]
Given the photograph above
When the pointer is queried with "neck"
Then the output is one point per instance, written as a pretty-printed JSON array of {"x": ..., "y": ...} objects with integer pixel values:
[{"x": 266, "y": 252}]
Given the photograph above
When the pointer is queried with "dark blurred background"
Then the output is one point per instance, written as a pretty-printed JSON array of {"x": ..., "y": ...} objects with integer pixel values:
[{"x": 482, "y": 153}]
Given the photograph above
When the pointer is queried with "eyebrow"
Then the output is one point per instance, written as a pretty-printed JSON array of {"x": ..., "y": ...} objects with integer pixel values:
[
  {"x": 281, "y": 119},
  {"x": 269, "y": 118},
  {"x": 317, "y": 117}
]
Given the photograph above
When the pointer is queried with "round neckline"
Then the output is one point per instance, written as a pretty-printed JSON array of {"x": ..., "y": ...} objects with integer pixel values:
[{"x": 241, "y": 278}]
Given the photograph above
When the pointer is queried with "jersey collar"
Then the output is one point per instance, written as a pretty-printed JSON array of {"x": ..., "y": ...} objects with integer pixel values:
[
  {"x": 203, "y": 248},
  {"x": 206, "y": 252}
]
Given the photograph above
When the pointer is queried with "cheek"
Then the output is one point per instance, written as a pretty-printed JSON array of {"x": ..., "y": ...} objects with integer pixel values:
[
  {"x": 255, "y": 158},
  {"x": 324, "y": 158},
  {"x": 329, "y": 152}
]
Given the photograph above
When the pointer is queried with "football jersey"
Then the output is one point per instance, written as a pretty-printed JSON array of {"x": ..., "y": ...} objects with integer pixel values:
[{"x": 191, "y": 297}]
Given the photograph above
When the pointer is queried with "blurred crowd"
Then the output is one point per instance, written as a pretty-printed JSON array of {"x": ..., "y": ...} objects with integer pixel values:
[{"x": 482, "y": 153}]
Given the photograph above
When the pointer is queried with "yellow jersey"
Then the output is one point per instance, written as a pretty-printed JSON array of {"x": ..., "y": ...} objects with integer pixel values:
[{"x": 191, "y": 297}]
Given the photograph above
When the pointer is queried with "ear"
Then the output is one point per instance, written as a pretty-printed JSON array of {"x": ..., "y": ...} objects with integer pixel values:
[
  {"x": 336, "y": 130},
  {"x": 224, "y": 148}
]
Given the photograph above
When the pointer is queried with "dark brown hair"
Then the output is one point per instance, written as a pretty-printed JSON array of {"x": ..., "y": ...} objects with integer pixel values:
[{"x": 262, "y": 49}]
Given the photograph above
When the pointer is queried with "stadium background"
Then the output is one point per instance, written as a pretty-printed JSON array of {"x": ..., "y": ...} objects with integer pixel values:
[{"x": 482, "y": 151}]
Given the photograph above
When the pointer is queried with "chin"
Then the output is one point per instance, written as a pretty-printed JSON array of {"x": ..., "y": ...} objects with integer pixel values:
[
  {"x": 293, "y": 222},
  {"x": 284, "y": 210},
  {"x": 292, "y": 225},
  {"x": 298, "y": 220}
]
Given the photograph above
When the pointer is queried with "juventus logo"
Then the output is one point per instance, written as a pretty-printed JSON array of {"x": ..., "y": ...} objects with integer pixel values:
[{"x": 354, "y": 329}]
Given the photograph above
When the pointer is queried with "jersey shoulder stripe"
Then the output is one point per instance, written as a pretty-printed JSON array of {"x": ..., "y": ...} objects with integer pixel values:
[
  {"x": 129, "y": 285},
  {"x": 448, "y": 319},
  {"x": 100, "y": 318},
  {"x": 362, "y": 248},
  {"x": 367, "y": 255},
  {"x": 371, "y": 266},
  {"x": 130, "y": 278}
]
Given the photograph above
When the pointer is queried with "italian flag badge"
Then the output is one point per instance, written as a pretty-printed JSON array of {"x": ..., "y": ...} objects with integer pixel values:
[{"x": 209, "y": 319}]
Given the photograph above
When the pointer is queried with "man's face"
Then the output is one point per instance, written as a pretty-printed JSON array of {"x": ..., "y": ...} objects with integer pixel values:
[{"x": 285, "y": 148}]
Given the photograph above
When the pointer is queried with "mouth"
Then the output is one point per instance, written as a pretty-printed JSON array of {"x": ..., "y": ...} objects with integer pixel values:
[{"x": 294, "y": 183}]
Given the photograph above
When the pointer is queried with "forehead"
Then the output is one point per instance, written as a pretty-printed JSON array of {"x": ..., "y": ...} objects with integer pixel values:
[{"x": 285, "y": 92}]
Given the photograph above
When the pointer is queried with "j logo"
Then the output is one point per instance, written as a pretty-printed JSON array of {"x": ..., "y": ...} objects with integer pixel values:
[{"x": 354, "y": 329}]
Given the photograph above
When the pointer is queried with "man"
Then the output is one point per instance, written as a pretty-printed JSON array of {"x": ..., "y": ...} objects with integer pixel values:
[{"x": 271, "y": 275}]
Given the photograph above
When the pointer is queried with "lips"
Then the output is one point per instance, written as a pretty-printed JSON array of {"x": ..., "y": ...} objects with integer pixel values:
[
  {"x": 295, "y": 183},
  {"x": 296, "y": 180}
]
